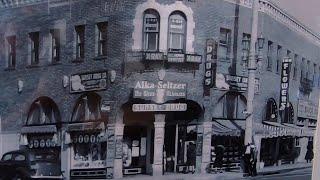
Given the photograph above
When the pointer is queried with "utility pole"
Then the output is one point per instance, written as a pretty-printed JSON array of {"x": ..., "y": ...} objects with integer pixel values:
[
  {"x": 251, "y": 72},
  {"x": 316, "y": 149}
]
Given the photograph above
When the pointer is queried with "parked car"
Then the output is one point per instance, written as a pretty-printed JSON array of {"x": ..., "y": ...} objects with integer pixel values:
[{"x": 30, "y": 164}]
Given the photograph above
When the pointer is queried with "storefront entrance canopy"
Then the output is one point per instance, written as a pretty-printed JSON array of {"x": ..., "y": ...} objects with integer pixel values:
[
  {"x": 227, "y": 127},
  {"x": 39, "y": 129}
]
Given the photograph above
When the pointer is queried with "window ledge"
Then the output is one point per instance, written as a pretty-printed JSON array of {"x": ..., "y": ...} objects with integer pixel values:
[
  {"x": 78, "y": 60},
  {"x": 33, "y": 66},
  {"x": 100, "y": 57},
  {"x": 10, "y": 69},
  {"x": 54, "y": 63}
]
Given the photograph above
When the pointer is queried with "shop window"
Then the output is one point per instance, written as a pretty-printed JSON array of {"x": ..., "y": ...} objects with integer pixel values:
[
  {"x": 11, "y": 56},
  {"x": 87, "y": 108},
  {"x": 43, "y": 111},
  {"x": 224, "y": 44},
  {"x": 297, "y": 142},
  {"x": 271, "y": 110},
  {"x": 80, "y": 40},
  {"x": 269, "y": 55},
  {"x": 278, "y": 62},
  {"x": 55, "y": 45},
  {"x": 177, "y": 32},
  {"x": 151, "y": 30},
  {"x": 102, "y": 28},
  {"x": 34, "y": 44}
]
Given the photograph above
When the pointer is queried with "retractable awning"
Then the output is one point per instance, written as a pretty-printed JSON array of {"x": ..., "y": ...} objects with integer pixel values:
[
  {"x": 39, "y": 129},
  {"x": 227, "y": 127},
  {"x": 86, "y": 126}
]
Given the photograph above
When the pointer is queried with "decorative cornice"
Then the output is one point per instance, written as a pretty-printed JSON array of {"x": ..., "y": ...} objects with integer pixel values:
[{"x": 283, "y": 17}]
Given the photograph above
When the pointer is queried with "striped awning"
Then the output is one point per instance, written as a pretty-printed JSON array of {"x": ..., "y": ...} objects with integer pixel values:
[
  {"x": 227, "y": 127},
  {"x": 86, "y": 126},
  {"x": 39, "y": 129}
]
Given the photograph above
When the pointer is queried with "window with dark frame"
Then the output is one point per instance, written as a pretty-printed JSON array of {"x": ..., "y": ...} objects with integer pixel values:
[
  {"x": 80, "y": 40},
  {"x": 302, "y": 66},
  {"x": 279, "y": 49},
  {"x": 319, "y": 77},
  {"x": 245, "y": 53},
  {"x": 308, "y": 69},
  {"x": 177, "y": 32},
  {"x": 224, "y": 44},
  {"x": 55, "y": 40},
  {"x": 102, "y": 38},
  {"x": 295, "y": 66},
  {"x": 314, "y": 74},
  {"x": 11, "y": 52},
  {"x": 34, "y": 47},
  {"x": 151, "y": 29},
  {"x": 269, "y": 55}
]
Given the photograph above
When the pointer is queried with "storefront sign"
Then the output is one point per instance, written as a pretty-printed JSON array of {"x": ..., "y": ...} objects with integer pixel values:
[
  {"x": 210, "y": 65},
  {"x": 284, "y": 86},
  {"x": 88, "y": 82},
  {"x": 193, "y": 58},
  {"x": 153, "y": 56},
  {"x": 110, "y": 146},
  {"x": 240, "y": 83},
  {"x": 41, "y": 143},
  {"x": 159, "y": 92},
  {"x": 159, "y": 107},
  {"x": 307, "y": 110},
  {"x": 175, "y": 57}
]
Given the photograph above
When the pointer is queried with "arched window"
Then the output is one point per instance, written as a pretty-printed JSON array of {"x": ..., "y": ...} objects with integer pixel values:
[
  {"x": 43, "y": 111},
  {"x": 177, "y": 32},
  {"x": 151, "y": 29},
  {"x": 271, "y": 110},
  {"x": 289, "y": 114},
  {"x": 87, "y": 108}
]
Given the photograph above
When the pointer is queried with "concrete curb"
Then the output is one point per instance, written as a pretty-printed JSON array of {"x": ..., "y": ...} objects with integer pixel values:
[{"x": 279, "y": 171}]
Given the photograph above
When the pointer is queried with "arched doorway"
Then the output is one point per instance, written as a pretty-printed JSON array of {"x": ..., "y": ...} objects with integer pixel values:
[
  {"x": 41, "y": 135},
  {"x": 87, "y": 138}
]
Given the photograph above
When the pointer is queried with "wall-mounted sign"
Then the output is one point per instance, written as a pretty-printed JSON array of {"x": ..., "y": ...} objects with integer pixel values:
[
  {"x": 159, "y": 107},
  {"x": 307, "y": 110},
  {"x": 235, "y": 83},
  {"x": 106, "y": 106},
  {"x": 210, "y": 65},
  {"x": 175, "y": 57},
  {"x": 159, "y": 92},
  {"x": 153, "y": 56},
  {"x": 193, "y": 58},
  {"x": 88, "y": 82},
  {"x": 284, "y": 86}
]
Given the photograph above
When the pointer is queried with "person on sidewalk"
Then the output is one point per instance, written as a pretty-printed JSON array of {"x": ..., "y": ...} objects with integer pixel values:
[
  {"x": 253, "y": 160},
  {"x": 309, "y": 154},
  {"x": 191, "y": 157},
  {"x": 246, "y": 161},
  {"x": 219, "y": 157}
]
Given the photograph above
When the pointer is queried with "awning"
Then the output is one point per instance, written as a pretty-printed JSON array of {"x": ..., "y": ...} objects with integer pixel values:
[
  {"x": 86, "y": 126},
  {"x": 227, "y": 127},
  {"x": 39, "y": 129}
]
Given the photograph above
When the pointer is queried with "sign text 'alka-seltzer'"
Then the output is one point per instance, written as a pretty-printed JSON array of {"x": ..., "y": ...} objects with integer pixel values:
[
  {"x": 160, "y": 91},
  {"x": 284, "y": 87}
]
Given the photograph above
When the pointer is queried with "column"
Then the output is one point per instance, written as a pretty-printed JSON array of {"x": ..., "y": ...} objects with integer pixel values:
[
  {"x": 65, "y": 154},
  {"x": 159, "y": 125},
  {"x": 199, "y": 152},
  {"x": 118, "y": 166},
  {"x": 206, "y": 147},
  {"x": 257, "y": 140}
]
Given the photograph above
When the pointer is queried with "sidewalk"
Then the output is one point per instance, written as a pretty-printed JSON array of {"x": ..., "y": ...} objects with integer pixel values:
[{"x": 222, "y": 176}]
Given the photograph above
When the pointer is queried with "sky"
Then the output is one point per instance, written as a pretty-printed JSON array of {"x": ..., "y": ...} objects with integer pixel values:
[{"x": 306, "y": 11}]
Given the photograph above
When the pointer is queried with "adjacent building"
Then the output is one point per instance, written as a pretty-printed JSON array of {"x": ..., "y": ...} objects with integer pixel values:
[{"x": 122, "y": 87}]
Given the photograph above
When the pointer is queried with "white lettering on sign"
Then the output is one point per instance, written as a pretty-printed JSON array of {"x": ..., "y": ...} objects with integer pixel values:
[
  {"x": 284, "y": 86},
  {"x": 159, "y": 107}
]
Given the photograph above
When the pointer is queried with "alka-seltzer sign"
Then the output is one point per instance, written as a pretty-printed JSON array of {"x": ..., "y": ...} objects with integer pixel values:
[
  {"x": 210, "y": 65},
  {"x": 159, "y": 92},
  {"x": 284, "y": 87},
  {"x": 88, "y": 81}
]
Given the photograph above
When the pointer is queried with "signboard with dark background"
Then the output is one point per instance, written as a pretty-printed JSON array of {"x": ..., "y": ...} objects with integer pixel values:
[
  {"x": 284, "y": 86},
  {"x": 92, "y": 81},
  {"x": 210, "y": 65}
]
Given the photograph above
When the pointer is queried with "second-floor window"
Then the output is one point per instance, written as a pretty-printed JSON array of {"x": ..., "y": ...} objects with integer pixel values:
[
  {"x": 224, "y": 44},
  {"x": 55, "y": 46},
  {"x": 80, "y": 39},
  {"x": 269, "y": 55},
  {"x": 278, "y": 65},
  {"x": 151, "y": 30},
  {"x": 314, "y": 74},
  {"x": 102, "y": 38},
  {"x": 177, "y": 32},
  {"x": 34, "y": 48},
  {"x": 302, "y": 69},
  {"x": 11, "y": 58},
  {"x": 308, "y": 70},
  {"x": 245, "y": 52},
  {"x": 295, "y": 66}
]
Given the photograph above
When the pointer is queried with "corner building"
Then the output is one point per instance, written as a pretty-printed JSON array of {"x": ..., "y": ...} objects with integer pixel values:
[{"x": 118, "y": 88}]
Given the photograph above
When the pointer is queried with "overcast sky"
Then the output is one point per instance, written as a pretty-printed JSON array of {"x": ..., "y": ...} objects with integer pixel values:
[{"x": 306, "y": 11}]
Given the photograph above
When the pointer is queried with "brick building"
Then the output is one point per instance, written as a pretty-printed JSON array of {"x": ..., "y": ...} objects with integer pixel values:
[{"x": 129, "y": 87}]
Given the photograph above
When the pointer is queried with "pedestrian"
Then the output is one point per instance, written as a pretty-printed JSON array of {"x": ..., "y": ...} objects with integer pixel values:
[
  {"x": 309, "y": 154},
  {"x": 191, "y": 157},
  {"x": 219, "y": 157},
  {"x": 253, "y": 160},
  {"x": 246, "y": 160}
]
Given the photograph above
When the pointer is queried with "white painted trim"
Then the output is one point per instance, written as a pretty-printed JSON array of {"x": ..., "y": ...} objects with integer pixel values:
[{"x": 164, "y": 12}]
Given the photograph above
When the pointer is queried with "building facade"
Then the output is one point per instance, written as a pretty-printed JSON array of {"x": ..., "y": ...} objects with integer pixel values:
[{"x": 117, "y": 88}]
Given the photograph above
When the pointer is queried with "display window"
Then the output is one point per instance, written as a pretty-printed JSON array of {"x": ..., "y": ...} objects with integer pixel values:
[{"x": 88, "y": 151}]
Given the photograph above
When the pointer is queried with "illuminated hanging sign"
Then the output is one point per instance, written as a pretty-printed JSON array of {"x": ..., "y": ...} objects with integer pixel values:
[
  {"x": 88, "y": 82},
  {"x": 284, "y": 86},
  {"x": 210, "y": 65},
  {"x": 159, "y": 107}
]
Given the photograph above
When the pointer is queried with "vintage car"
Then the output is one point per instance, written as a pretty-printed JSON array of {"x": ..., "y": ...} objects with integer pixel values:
[{"x": 27, "y": 164}]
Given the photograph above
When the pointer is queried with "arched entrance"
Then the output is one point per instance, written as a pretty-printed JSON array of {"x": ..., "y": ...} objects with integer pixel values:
[
  {"x": 42, "y": 135},
  {"x": 87, "y": 138}
]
